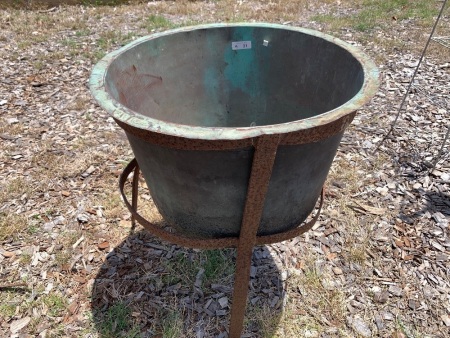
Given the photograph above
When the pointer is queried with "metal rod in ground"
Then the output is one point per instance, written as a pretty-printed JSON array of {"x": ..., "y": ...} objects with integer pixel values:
[
  {"x": 412, "y": 79},
  {"x": 263, "y": 160},
  {"x": 240, "y": 291},
  {"x": 134, "y": 196}
]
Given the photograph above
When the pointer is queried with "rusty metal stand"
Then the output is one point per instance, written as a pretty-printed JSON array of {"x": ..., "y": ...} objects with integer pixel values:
[
  {"x": 134, "y": 196},
  {"x": 262, "y": 165},
  {"x": 263, "y": 160}
]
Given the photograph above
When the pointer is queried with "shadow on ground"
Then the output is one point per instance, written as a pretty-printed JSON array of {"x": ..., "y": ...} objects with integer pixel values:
[
  {"x": 148, "y": 288},
  {"x": 434, "y": 203}
]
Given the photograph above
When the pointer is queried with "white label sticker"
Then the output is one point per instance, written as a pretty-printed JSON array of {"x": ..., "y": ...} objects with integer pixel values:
[{"x": 241, "y": 45}]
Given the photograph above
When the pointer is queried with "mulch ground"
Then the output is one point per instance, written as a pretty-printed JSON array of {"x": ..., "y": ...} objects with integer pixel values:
[{"x": 376, "y": 264}]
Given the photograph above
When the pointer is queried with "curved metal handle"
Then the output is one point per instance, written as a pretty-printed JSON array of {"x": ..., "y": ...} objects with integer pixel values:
[{"x": 215, "y": 243}]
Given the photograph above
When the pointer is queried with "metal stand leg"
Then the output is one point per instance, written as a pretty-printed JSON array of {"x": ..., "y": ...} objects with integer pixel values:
[
  {"x": 263, "y": 159},
  {"x": 240, "y": 292},
  {"x": 134, "y": 196}
]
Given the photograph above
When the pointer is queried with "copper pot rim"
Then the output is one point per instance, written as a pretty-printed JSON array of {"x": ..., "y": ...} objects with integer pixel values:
[{"x": 129, "y": 117}]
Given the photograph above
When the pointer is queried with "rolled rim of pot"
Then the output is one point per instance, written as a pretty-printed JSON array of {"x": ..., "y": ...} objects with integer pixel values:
[{"x": 121, "y": 113}]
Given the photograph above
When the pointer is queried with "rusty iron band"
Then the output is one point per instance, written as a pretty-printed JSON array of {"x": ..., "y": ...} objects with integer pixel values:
[
  {"x": 303, "y": 136},
  {"x": 203, "y": 243}
]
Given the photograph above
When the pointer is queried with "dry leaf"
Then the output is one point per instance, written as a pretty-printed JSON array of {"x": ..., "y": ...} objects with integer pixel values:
[{"x": 65, "y": 193}]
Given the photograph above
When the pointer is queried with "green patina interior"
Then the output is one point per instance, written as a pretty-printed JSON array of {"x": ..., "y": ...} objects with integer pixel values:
[{"x": 195, "y": 77}]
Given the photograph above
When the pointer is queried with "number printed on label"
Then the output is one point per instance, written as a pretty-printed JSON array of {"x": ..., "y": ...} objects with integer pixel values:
[{"x": 241, "y": 45}]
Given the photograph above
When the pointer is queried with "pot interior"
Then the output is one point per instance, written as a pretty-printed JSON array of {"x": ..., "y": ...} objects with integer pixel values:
[{"x": 237, "y": 76}]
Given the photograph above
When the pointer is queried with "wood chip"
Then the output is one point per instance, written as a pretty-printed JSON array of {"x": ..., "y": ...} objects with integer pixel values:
[
  {"x": 81, "y": 239},
  {"x": 223, "y": 302},
  {"x": 395, "y": 290},
  {"x": 12, "y": 285},
  {"x": 369, "y": 209},
  {"x": 79, "y": 279},
  {"x": 381, "y": 297},
  {"x": 91, "y": 211},
  {"x": 103, "y": 245},
  {"x": 398, "y": 334},
  {"x": 7, "y": 254},
  {"x": 337, "y": 271},
  {"x": 361, "y": 327},
  {"x": 446, "y": 319},
  {"x": 73, "y": 307},
  {"x": 88, "y": 171},
  {"x": 19, "y": 324}
]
